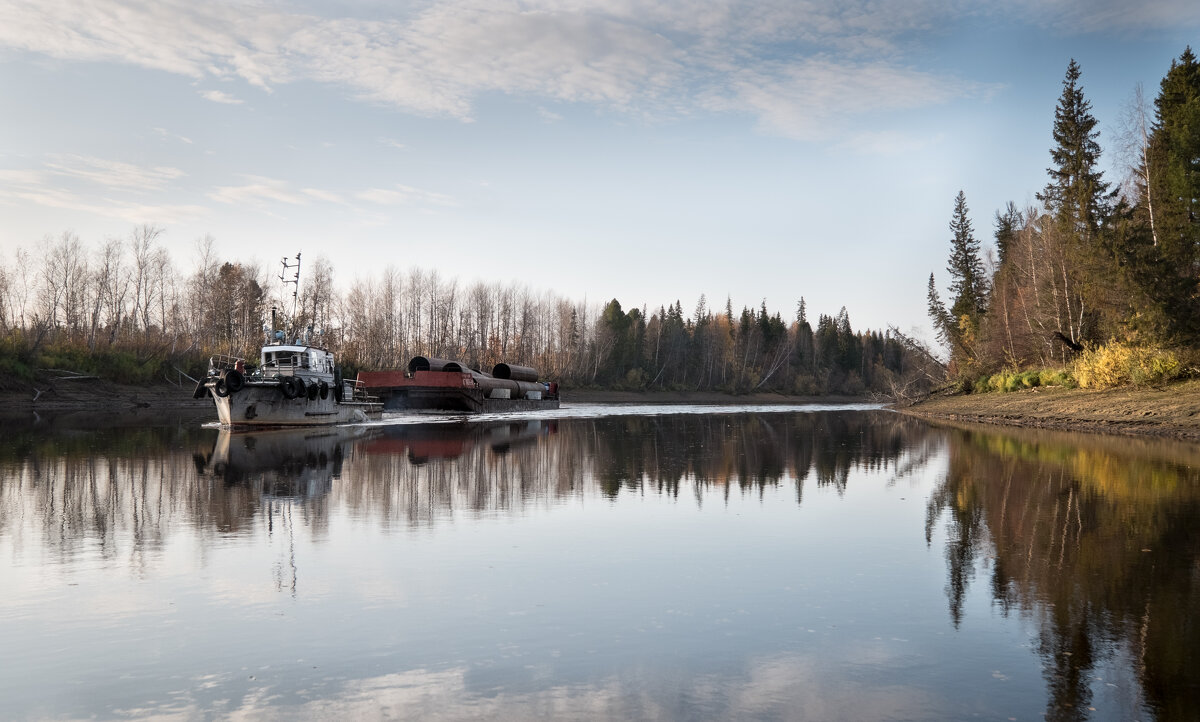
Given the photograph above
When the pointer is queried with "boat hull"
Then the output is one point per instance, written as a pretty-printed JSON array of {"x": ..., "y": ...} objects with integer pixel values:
[{"x": 263, "y": 404}]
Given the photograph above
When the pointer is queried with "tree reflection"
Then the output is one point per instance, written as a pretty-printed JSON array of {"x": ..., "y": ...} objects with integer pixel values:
[
  {"x": 132, "y": 485},
  {"x": 1095, "y": 540},
  {"x": 745, "y": 451}
]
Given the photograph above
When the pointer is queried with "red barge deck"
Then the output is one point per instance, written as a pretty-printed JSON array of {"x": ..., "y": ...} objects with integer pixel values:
[{"x": 432, "y": 384}]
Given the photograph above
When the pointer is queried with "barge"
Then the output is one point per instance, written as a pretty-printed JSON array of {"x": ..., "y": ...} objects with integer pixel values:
[{"x": 433, "y": 384}]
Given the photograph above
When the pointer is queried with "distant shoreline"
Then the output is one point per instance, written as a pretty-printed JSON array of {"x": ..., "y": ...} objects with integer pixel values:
[{"x": 1172, "y": 411}]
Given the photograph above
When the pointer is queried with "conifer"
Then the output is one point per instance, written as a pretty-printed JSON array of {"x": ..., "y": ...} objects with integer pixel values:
[
  {"x": 968, "y": 282},
  {"x": 1076, "y": 195}
]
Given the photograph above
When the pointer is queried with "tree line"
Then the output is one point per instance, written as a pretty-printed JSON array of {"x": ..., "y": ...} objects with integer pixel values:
[
  {"x": 127, "y": 299},
  {"x": 1093, "y": 264}
]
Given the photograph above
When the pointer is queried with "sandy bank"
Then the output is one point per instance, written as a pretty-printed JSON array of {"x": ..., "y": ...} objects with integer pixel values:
[{"x": 1170, "y": 411}]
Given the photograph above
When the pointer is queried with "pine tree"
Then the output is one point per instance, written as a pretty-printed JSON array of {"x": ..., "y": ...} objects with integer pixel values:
[
  {"x": 1076, "y": 195},
  {"x": 965, "y": 266}
]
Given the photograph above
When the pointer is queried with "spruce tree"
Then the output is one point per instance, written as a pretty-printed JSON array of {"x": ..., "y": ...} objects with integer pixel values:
[
  {"x": 1008, "y": 222},
  {"x": 943, "y": 323},
  {"x": 1174, "y": 174},
  {"x": 967, "y": 280},
  {"x": 1076, "y": 195}
]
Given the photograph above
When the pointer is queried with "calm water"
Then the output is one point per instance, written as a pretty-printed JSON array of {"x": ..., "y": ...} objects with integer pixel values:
[{"x": 619, "y": 563}]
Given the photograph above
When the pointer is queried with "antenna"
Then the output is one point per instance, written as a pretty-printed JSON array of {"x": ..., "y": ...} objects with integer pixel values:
[{"x": 294, "y": 280}]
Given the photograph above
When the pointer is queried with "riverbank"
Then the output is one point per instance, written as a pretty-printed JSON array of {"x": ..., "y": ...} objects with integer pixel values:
[
  {"x": 89, "y": 393},
  {"x": 1170, "y": 411}
]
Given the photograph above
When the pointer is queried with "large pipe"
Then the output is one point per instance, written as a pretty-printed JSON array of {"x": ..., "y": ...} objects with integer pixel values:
[
  {"x": 514, "y": 372},
  {"x": 518, "y": 389},
  {"x": 422, "y": 363}
]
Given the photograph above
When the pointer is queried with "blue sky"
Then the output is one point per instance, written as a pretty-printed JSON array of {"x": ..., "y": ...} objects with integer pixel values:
[{"x": 644, "y": 151}]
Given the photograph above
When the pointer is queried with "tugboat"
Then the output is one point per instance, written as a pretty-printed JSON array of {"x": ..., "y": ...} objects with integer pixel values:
[{"x": 295, "y": 384}]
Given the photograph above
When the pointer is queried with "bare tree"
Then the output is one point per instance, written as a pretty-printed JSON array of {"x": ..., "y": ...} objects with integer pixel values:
[{"x": 145, "y": 252}]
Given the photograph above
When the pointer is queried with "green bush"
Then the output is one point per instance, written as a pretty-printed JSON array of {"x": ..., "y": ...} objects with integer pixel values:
[{"x": 1008, "y": 381}]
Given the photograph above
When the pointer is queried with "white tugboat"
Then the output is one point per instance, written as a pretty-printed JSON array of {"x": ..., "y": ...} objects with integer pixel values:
[{"x": 294, "y": 384}]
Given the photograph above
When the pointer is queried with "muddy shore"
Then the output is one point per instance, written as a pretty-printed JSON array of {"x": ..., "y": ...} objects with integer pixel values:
[{"x": 1170, "y": 411}]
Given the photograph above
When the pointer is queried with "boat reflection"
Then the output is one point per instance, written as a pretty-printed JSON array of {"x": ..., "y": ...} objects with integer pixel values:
[
  {"x": 281, "y": 463},
  {"x": 424, "y": 443}
]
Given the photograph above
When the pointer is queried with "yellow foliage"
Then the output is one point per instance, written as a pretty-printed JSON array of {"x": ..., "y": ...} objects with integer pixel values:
[{"x": 1118, "y": 364}]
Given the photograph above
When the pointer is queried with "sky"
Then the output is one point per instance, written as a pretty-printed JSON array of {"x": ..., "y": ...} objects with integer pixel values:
[{"x": 651, "y": 152}]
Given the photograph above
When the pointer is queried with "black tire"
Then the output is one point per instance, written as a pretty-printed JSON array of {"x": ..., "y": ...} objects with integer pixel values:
[
  {"x": 324, "y": 390},
  {"x": 220, "y": 389},
  {"x": 313, "y": 390},
  {"x": 301, "y": 389},
  {"x": 288, "y": 386},
  {"x": 234, "y": 380},
  {"x": 337, "y": 393}
]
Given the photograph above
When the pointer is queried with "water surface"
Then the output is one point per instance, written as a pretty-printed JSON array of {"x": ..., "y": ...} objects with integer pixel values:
[{"x": 597, "y": 563}]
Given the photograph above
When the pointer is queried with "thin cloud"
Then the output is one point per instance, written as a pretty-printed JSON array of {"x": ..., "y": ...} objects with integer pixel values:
[
  {"x": 1075, "y": 17},
  {"x": 33, "y": 187},
  {"x": 217, "y": 96},
  {"x": 781, "y": 60},
  {"x": 112, "y": 174},
  {"x": 167, "y": 134},
  {"x": 811, "y": 100},
  {"x": 320, "y": 195},
  {"x": 401, "y": 195},
  {"x": 256, "y": 192}
]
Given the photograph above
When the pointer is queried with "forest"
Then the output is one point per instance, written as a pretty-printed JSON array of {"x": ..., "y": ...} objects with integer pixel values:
[
  {"x": 1097, "y": 285},
  {"x": 126, "y": 311}
]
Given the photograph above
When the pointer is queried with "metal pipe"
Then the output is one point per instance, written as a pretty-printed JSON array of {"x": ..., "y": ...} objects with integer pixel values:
[
  {"x": 514, "y": 372},
  {"x": 423, "y": 363}
]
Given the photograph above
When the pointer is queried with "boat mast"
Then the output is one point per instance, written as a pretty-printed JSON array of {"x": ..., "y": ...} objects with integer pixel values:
[{"x": 295, "y": 281}]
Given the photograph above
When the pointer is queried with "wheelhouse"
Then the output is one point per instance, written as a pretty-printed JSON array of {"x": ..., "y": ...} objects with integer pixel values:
[{"x": 296, "y": 360}]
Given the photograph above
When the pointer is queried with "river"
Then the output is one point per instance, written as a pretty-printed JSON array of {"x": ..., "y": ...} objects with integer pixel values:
[{"x": 671, "y": 563}]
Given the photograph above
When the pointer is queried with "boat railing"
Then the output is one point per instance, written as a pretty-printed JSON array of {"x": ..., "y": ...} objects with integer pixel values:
[
  {"x": 358, "y": 390},
  {"x": 222, "y": 362}
]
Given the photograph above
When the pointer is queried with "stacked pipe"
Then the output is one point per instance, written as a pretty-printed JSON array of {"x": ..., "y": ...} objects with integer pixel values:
[{"x": 519, "y": 380}]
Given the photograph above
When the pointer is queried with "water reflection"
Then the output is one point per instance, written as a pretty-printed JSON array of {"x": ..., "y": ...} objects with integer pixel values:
[
  {"x": 677, "y": 566},
  {"x": 1092, "y": 539}
]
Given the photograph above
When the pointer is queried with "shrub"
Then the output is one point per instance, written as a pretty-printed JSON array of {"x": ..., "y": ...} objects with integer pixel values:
[
  {"x": 1055, "y": 377},
  {"x": 1117, "y": 364},
  {"x": 1006, "y": 381}
]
